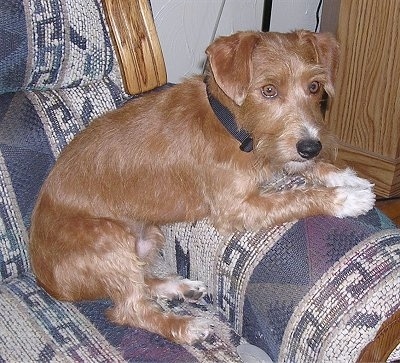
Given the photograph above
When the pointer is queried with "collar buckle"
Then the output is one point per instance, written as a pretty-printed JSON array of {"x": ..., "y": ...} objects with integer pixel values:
[{"x": 247, "y": 144}]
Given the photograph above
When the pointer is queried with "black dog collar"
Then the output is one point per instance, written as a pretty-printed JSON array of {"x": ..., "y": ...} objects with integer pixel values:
[{"x": 228, "y": 120}]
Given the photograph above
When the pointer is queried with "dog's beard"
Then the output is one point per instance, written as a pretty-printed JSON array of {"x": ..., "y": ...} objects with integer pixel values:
[
  {"x": 298, "y": 167},
  {"x": 276, "y": 159}
]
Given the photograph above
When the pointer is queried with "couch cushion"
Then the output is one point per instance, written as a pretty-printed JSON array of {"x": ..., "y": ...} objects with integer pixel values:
[
  {"x": 34, "y": 127},
  {"x": 37, "y": 328},
  {"x": 52, "y": 44}
]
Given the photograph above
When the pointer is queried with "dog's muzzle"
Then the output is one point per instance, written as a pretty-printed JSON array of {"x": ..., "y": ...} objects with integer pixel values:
[{"x": 308, "y": 148}]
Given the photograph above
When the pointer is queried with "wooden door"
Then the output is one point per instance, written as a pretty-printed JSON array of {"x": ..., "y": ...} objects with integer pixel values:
[{"x": 365, "y": 113}]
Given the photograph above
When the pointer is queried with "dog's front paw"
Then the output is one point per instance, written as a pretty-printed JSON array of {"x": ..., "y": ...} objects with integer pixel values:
[
  {"x": 347, "y": 178},
  {"x": 352, "y": 202}
]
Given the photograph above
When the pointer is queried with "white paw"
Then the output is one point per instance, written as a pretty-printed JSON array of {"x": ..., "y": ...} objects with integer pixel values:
[
  {"x": 353, "y": 202},
  {"x": 198, "y": 329},
  {"x": 347, "y": 178},
  {"x": 192, "y": 290}
]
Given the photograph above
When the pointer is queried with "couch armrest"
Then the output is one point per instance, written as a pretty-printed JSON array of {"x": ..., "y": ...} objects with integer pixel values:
[
  {"x": 311, "y": 291},
  {"x": 136, "y": 44}
]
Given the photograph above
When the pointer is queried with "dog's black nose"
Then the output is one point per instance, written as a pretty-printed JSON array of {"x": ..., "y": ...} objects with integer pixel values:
[{"x": 308, "y": 148}]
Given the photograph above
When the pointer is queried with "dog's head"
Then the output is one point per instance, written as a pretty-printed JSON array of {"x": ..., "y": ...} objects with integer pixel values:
[{"x": 276, "y": 86}]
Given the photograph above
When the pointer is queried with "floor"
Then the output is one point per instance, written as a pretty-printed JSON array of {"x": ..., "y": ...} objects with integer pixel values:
[{"x": 391, "y": 207}]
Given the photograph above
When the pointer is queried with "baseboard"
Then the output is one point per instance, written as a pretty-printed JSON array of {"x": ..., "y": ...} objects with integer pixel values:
[{"x": 383, "y": 172}]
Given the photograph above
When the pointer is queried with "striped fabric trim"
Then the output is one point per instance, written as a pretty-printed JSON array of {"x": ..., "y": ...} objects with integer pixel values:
[
  {"x": 68, "y": 43},
  {"x": 66, "y": 112},
  {"x": 13, "y": 234}
]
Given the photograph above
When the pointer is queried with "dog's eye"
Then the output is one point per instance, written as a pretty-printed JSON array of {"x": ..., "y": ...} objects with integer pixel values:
[
  {"x": 269, "y": 91},
  {"x": 314, "y": 87}
]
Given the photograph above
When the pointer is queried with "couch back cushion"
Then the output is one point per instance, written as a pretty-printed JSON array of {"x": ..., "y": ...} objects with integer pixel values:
[{"x": 51, "y": 44}]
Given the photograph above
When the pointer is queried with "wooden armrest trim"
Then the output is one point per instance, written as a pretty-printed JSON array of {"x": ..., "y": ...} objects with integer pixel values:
[
  {"x": 385, "y": 341},
  {"x": 136, "y": 43}
]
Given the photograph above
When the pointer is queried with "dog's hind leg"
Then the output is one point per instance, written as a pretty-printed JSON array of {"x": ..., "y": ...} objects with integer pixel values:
[
  {"x": 143, "y": 312},
  {"x": 132, "y": 292},
  {"x": 101, "y": 258}
]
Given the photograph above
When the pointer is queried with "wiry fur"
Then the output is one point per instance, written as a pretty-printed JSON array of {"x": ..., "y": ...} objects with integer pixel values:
[{"x": 165, "y": 157}]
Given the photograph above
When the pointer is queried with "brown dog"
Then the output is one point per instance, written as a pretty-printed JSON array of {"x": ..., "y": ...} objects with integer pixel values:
[{"x": 167, "y": 157}]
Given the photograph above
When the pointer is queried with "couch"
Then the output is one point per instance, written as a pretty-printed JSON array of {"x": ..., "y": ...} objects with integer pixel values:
[{"x": 320, "y": 289}]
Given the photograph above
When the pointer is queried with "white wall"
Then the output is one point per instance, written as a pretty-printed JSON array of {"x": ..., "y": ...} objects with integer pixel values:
[
  {"x": 186, "y": 27},
  {"x": 287, "y": 15}
]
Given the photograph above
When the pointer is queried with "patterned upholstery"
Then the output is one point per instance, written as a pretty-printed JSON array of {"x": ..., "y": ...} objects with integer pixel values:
[
  {"x": 300, "y": 291},
  {"x": 13, "y": 45},
  {"x": 308, "y": 291},
  {"x": 56, "y": 44}
]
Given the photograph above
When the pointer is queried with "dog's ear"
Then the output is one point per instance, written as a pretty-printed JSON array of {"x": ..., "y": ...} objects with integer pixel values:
[
  {"x": 327, "y": 50},
  {"x": 231, "y": 64}
]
